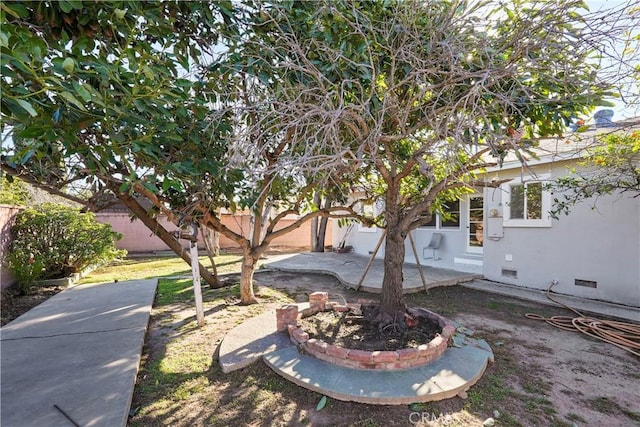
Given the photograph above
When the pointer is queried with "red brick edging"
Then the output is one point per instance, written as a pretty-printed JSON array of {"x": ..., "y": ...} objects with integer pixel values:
[{"x": 287, "y": 319}]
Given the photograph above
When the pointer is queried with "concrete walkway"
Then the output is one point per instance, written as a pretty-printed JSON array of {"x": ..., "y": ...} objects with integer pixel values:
[
  {"x": 349, "y": 269},
  {"x": 75, "y": 354}
]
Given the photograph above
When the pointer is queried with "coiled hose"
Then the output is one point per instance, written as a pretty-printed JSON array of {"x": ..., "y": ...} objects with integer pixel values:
[{"x": 624, "y": 335}]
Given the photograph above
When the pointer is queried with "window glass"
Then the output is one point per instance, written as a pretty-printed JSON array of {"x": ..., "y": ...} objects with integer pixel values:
[
  {"x": 516, "y": 204},
  {"x": 451, "y": 219},
  {"x": 432, "y": 222},
  {"x": 534, "y": 200}
]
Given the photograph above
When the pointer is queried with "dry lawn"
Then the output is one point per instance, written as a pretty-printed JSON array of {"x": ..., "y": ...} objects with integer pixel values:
[{"x": 542, "y": 376}]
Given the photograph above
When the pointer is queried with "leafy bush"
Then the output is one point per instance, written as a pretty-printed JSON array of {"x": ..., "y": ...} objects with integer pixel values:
[
  {"x": 52, "y": 241},
  {"x": 13, "y": 191},
  {"x": 25, "y": 272}
]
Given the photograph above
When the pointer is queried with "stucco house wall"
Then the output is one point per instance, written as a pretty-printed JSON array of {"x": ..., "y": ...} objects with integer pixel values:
[
  {"x": 600, "y": 245},
  {"x": 452, "y": 245},
  {"x": 594, "y": 252}
]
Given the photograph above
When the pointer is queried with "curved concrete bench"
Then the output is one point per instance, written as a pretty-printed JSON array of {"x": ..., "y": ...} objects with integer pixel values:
[{"x": 456, "y": 371}]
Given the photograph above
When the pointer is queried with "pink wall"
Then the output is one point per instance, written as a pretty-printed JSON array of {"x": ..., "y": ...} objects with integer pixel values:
[
  {"x": 7, "y": 215},
  {"x": 138, "y": 238}
]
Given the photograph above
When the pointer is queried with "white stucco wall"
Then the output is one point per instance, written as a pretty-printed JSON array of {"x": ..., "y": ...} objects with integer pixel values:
[
  {"x": 601, "y": 245},
  {"x": 453, "y": 242}
]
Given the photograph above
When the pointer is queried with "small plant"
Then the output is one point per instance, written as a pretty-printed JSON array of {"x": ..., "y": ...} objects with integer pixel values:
[
  {"x": 25, "y": 272},
  {"x": 52, "y": 241}
]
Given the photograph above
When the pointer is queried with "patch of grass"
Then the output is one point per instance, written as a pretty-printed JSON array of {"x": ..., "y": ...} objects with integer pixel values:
[
  {"x": 575, "y": 417},
  {"x": 172, "y": 291},
  {"x": 603, "y": 405},
  {"x": 535, "y": 385},
  {"x": 503, "y": 306},
  {"x": 607, "y": 406},
  {"x": 145, "y": 268},
  {"x": 539, "y": 402}
]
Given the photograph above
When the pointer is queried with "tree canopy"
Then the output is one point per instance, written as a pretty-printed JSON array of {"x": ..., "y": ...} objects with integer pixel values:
[
  {"x": 202, "y": 106},
  {"x": 611, "y": 166},
  {"x": 408, "y": 101}
]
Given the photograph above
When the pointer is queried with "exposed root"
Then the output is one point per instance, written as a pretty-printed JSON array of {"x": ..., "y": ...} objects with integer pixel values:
[
  {"x": 248, "y": 301},
  {"x": 390, "y": 323}
]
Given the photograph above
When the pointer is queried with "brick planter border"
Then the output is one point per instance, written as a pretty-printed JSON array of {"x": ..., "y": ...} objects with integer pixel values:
[{"x": 424, "y": 354}]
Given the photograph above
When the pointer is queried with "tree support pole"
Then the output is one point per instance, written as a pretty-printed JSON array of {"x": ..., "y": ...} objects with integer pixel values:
[
  {"x": 195, "y": 272},
  {"x": 373, "y": 256},
  {"x": 415, "y": 254}
]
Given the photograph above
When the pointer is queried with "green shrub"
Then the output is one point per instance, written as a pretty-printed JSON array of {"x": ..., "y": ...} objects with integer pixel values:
[
  {"x": 13, "y": 191},
  {"x": 25, "y": 272},
  {"x": 52, "y": 241}
]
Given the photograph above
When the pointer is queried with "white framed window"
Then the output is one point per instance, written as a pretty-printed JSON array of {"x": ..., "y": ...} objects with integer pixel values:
[
  {"x": 450, "y": 221},
  {"x": 526, "y": 204}
]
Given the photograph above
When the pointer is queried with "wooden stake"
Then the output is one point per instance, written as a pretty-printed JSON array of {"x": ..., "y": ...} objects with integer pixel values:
[
  {"x": 415, "y": 254},
  {"x": 373, "y": 255},
  {"x": 195, "y": 272}
]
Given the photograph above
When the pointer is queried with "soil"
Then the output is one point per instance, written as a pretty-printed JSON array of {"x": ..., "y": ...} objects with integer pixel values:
[
  {"x": 541, "y": 376},
  {"x": 356, "y": 331},
  {"x": 13, "y": 304}
]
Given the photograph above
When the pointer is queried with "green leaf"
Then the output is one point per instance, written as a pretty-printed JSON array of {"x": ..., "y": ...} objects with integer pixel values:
[
  {"x": 72, "y": 99},
  {"x": 68, "y": 65},
  {"x": 148, "y": 72},
  {"x": 31, "y": 132},
  {"x": 68, "y": 5},
  {"x": 322, "y": 403},
  {"x": 84, "y": 93},
  {"x": 119, "y": 13},
  {"x": 29, "y": 109},
  {"x": 16, "y": 10}
]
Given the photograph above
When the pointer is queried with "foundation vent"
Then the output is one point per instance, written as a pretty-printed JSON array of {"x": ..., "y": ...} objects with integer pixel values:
[
  {"x": 586, "y": 283},
  {"x": 510, "y": 273}
]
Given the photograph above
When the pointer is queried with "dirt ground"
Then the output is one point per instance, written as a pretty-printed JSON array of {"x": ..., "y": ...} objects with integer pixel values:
[
  {"x": 357, "y": 331},
  {"x": 542, "y": 376},
  {"x": 12, "y": 304}
]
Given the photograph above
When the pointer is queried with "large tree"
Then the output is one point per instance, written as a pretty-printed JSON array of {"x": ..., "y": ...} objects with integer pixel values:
[
  {"x": 136, "y": 100},
  {"x": 105, "y": 96},
  {"x": 405, "y": 101}
]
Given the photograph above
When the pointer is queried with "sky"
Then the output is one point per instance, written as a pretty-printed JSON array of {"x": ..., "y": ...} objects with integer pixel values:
[{"x": 621, "y": 111}]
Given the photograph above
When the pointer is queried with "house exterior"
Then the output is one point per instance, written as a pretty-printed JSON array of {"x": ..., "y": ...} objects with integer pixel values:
[{"x": 507, "y": 234}]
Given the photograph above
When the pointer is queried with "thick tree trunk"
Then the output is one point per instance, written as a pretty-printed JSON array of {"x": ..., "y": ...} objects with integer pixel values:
[
  {"x": 322, "y": 233},
  {"x": 165, "y": 236},
  {"x": 391, "y": 299},
  {"x": 314, "y": 235},
  {"x": 211, "y": 240},
  {"x": 319, "y": 226},
  {"x": 316, "y": 246},
  {"x": 249, "y": 261},
  {"x": 392, "y": 306},
  {"x": 212, "y": 245},
  {"x": 318, "y": 234}
]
